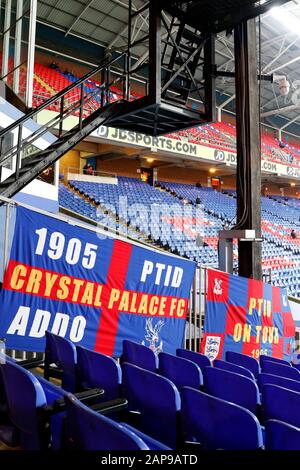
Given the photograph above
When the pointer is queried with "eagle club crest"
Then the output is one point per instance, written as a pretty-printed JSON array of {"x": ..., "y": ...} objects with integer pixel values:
[
  {"x": 217, "y": 287},
  {"x": 212, "y": 347},
  {"x": 152, "y": 335}
]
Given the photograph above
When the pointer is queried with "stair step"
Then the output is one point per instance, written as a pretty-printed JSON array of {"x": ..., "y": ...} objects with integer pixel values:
[
  {"x": 180, "y": 76},
  {"x": 24, "y": 169},
  {"x": 42, "y": 152},
  {"x": 186, "y": 49},
  {"x": 38, "y": 158},
  {"x": 34, "y": 164},
  {"x": 176, "y": 100},
  {"x": 55, "y": 144},
  {"x": 183, "y": 56},
  {"x": 178, "y": 88},
  {"x": 191, "y": 36},
  {"x": 179, "y": 62}
]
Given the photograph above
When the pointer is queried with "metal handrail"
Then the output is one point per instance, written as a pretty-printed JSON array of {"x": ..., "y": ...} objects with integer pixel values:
[
  {"x": 79, "y": 106},
  {"x": 78, "y": 171},
  {"x": 60, "y": 94},
  {"x": 45, "y": 128}
]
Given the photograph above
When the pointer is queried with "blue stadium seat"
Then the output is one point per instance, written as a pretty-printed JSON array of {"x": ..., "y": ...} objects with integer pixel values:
[
  {"x": 282, "y": 370},
  {"x": 153, "y": 444},
  {"x": 281, "y": 403},
  {"x": 88, "y": 430},
  {"x": 182, "y": 372},
  {"x": 200, "y": 359},
  {"x": 95, "y": 370},
  {"x": 232, "y": 387},
  {"x": 156, "y": 399},
  {"x": 233, "y": 368},
  {"x": 264, "y": 358},
  {"x": 243, "y": 360},
  {"x": 61, "y": 352},
  {"x": 279, "y": 252},
  {"x": 28, "y": 401},
  {"x": 8, "y": 432},
  {"x": 139, "y": 355},
  {"x": 297, "y": 367},
  {"x": 218, "y": 424},
  {"x": 281, "y": 436},
  {"x": 264, "y": 378}
]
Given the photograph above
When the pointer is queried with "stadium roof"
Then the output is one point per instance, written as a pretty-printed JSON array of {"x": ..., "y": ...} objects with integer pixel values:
[{"x": 105, "y": 23}]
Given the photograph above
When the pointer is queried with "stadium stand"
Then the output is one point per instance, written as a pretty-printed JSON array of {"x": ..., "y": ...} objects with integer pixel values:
[
  {"x": 109, "y": 328},
  {"x": 160, "y": 216},
  {"x": 226, "y": 397},
  {"x": 219, "y": 135}
]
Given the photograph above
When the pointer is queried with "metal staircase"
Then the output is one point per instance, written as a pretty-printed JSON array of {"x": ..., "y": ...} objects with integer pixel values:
[
  {"x": 82, "y": 107},
  {"x": 179, "y": 70},
  {"x": 180, "y": 65}
]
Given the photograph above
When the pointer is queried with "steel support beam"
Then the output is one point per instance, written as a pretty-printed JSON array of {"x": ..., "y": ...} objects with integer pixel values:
[
  {"x": 226, "y": 102},
  {"x": 85, "y": 8},
  {"x": 43, "y": 160},
  {"x": 248, "y": 173},
  {"x": 288, "y": 124},
  {"x": 286, "y": 109},
  {"x": 31, "y": 53},
  {"x": 209, "y": 76},
  {"x": 155, "y": 50},
  {"x": 18, "y": 39},
  {"x": 6, "y": 36}
]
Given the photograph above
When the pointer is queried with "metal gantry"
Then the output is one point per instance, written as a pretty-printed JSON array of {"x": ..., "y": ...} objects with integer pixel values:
[
  {"x": 23, "y": 160},
  {"x": 175, "y": 52}
]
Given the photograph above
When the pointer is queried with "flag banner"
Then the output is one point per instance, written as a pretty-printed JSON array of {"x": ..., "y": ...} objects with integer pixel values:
[
  {"x": 246, "y": 316},
  {"x": 90, "y": 288}
]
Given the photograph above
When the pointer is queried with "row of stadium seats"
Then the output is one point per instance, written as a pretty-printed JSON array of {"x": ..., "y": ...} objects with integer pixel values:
[
  {"x": 151, "y": 402},
  {"x": 174, "y": 215},
  {"x": 221, "y": 135},
  {"x": 160, "y": 217},
  {"x": 268, "y": 389}
]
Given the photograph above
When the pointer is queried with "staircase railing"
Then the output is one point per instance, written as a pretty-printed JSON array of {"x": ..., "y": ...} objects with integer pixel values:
[{"x": 79, "y": 100}]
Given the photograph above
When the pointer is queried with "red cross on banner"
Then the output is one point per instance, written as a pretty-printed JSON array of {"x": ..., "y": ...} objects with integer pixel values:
[{"x": 108, "y": 324}]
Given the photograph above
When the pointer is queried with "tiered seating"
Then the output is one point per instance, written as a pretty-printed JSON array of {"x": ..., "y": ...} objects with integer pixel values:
[
  {"x": 41, "y": 94},
  {"x": 219, "y": 424},
  {"x": 161, "y": 217},
  {"x": 75, "y": 203},
  {"x": 27, "y": 399},
  {"x": 174, "y": 215},
  {"x": 36, "y": 410},
  {"x": 280, "y": 251},
  {"x": 92, "y": 85},
  {"x": 232, "y": 387},
  {"x": 214, "y": 202},
  {"x": 88, "y": 430},
  {"x": 281, "y": 436},
  {"x": 57, "y": 81},
  {"x": 208, "y": 135},
  {"x": 221, "y": 135},
  {"x": 222, "y": 409}
]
